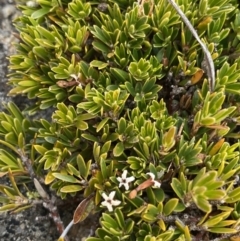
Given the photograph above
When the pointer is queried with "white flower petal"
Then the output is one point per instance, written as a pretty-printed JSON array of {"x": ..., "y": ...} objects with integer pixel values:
[
  {"x": 104, "y": 203},
  {"x": 119, "y": 179},
  {"x": 111, "y": 195},
  {"x": 108, "y": 205},
  {"x": 104, "y": 195},
  {"x": 110, "y": 208},
  {"x": 160, "y": 174},
  {"x": 73, "y": 76},
  {"x": 151, "y": 175},
  {"x": 124, "y": 174},
  {"x": 120, "y": 184},
  {"x": 115, "y": 202},
  {"x": 157, "y": 184},
  {"x": 130, "y": 179},
  {"x": 125, "y": 185}
]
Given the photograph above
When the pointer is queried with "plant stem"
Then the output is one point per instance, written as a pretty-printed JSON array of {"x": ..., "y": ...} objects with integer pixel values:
[{"x": 47, "y": 201}]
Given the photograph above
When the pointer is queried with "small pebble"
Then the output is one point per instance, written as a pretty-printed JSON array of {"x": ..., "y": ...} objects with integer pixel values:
[
  {"x": 8, "y": 10},
  {"x": 31, "y": 4},
  {"x": 22, "y": 226}
]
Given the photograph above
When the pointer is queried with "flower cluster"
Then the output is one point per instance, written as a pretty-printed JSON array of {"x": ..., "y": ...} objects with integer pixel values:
[{"x": 109, "y": 201}]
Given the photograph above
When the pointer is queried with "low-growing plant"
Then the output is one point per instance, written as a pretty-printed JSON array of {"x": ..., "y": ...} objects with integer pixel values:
[{"x": 141, "y": 129}]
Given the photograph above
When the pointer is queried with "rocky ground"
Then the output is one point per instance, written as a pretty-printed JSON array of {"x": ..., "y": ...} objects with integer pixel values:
[
  {"x": 33, "y": 224},
  {"x": 7, "y": 11}
]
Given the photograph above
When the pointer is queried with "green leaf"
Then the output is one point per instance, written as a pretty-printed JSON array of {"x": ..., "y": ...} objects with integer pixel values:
[
  {"x": 81, "y": 125},
  {"x": 72, "y": 170},
  {"x": 120, "y": 75},
  {"x": 225, "y": 223},
  {"x": 101, "y": 46},
  {"x": 14, "y": 110},
  {"x": 13, "y": 148},
  {"x": 21, "y": 141},
  {"x": 75, "y": 98},
  {"x": 90, "y": 137},
  {"x": 102, "y": 124},
  {"x": 40, "y": 13},
  {"x": 103, "y": 168},
  {"x": 207, "y": 121},
  {"x": 202, "y": 204},
  {"x": 98, "y": 64},
  {"x": 233, "y": 88},
  {"x": 199, "y": 176},
  {"x": 45, "y": 33},
  {"x": 8, "y": 207},
  {"x": 213, "y": 221},
  {"x": 118, "y": 149},
  {"x": 222, "y": 230},
  {"x": 66, "y": 178},
  {"x": 208, "y": 178},
  {"x": 180, "y": 207},
  {"x": 11, "y": 138},
  {"x": 214, "y": 194},
  {"x": 159, "y": 194},
  {"x": 130, "y": 88},
  {"x": 94, "y": 239},
  {"x": 40, "y": 52},
  {"x": 129, "y": 225},
  {"x": 169, "y": 138},
  {"x": 120, "y": 218},
  {"x": 224, "y": 113},
  {"x": 177, "y": 187},
  {"x": 115, "y": 232},
  {"x": 27, "y": 83},
  {"x": 40, "y": 149},
  {"x": 150, "y": 213},
  {"x": 49, "y": 178},
  {"x": 111, "y": 222},
  {"x": 86, "y": 116},
  {"x": 106, "y": 147},
  {"x": 170, "y": 206},
  {"x": 122, "y": 125},
  {"x": 203, "y": 7},
  {"x": 137, "y": 211},
  {"x": 82, "y": 166},
  {"x": 233, "y": 196},
  {"x": 7, "y": 126},
  {"x": 8, "y": 159},
  {"x": 14, "y": 184}
]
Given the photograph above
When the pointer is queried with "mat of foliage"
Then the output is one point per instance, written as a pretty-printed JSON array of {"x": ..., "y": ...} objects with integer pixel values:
[
  {"x": 35, "y": 224},
  {"x": 138, "y": 128}
]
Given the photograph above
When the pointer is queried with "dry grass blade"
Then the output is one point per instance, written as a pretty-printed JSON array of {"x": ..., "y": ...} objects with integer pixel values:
[{"x": 207, "y": 63}]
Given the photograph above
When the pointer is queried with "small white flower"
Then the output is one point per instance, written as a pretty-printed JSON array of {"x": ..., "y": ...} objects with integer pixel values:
[
  {"x": 124, "y": 180},
  {"x": 109, "y": 202},
  {"x": 156, "y": 184},
  {"x": 76, "y": 77},
  {"x": 31, "y": 4},
  {"x": 160, "y": 174}
]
